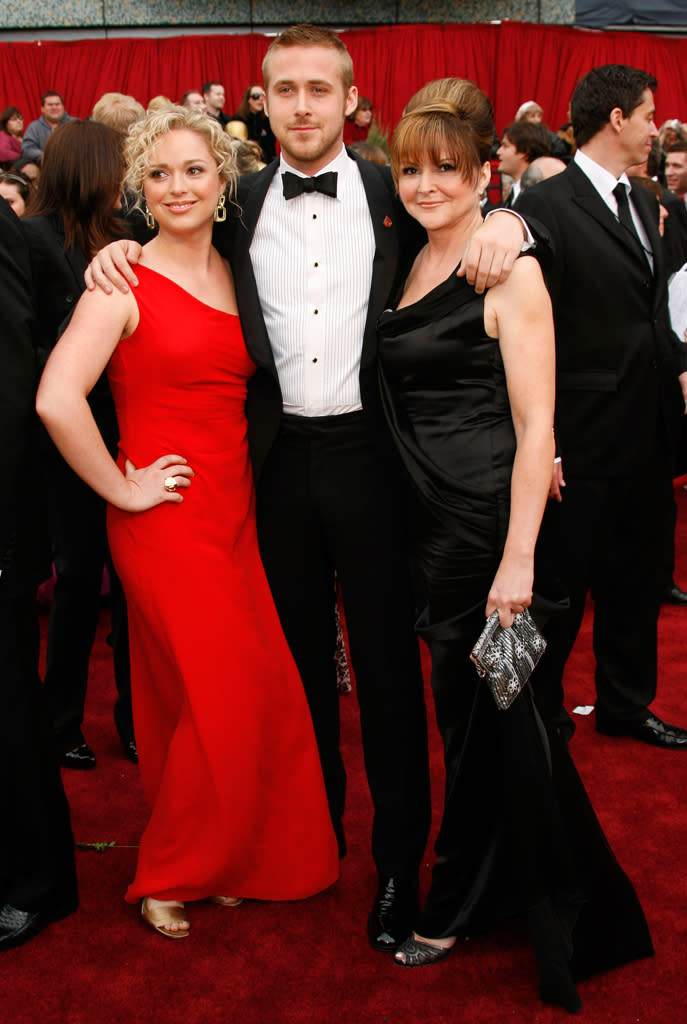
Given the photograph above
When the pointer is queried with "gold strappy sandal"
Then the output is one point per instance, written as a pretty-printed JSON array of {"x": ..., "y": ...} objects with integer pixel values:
[{"x": 165, "y": 914}]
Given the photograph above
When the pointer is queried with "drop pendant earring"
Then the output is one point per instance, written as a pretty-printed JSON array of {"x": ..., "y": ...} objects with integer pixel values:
[
  {"x": 220, "y": 214},
  {"x": 150, "y": 220}
]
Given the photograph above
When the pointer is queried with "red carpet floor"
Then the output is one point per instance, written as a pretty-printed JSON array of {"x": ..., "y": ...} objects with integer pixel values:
[{"x": 309, "y": 961}]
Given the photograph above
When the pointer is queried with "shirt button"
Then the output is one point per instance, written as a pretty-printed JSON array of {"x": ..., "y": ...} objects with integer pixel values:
[
  {"x": 315, "y": 359},
  {"x": 315, "y": 264},
  {"x": 314, "y": 216},
  {"x": 316, "y": 312}
]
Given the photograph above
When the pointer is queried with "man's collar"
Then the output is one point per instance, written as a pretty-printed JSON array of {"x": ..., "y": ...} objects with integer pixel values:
[{"x": 604, "y": 181}]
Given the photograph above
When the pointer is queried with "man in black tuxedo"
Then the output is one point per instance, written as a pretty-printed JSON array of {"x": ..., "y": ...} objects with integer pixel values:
[
  {"x": 37, "y": 876},
  {"x": 313, "y": 272},
  {"x": 315, "y": 253},
  {"x": 618, "y": 401}
]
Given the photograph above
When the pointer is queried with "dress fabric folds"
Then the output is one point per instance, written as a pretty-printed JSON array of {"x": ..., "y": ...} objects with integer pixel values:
[
  {"x": 227, "y": 751},
  {"x": 518, "y": 831}
]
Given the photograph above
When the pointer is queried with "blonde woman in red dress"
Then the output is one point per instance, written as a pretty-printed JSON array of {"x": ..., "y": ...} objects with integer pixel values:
[{"x": 226, "y": 746}]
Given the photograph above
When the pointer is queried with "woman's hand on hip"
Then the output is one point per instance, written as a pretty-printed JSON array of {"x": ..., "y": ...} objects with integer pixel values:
[{"x": 159, "y": 482}]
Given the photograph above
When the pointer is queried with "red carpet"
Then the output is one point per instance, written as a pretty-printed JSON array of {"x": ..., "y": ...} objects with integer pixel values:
[{"x": 309, "y": 962}]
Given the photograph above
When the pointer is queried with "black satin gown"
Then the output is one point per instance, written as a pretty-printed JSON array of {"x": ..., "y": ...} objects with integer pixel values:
[{"x": 518, "y": 833}]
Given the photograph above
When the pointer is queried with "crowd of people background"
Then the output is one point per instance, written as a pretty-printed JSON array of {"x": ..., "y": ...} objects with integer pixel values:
[{"x": 342, "y": 396}]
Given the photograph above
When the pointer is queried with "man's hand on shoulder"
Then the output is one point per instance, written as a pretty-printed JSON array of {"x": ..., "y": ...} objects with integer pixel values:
[
  {"x": 493, "y": 249},
  {"x": 113, "y": 266}
]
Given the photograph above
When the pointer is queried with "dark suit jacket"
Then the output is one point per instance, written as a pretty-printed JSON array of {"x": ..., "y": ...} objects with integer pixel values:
[
  {"x": 57, "y": 277},
  {"x": 617, "y": 358},
  {"x": 21, "y": 553},
  {"x": 393, "y": 236}
]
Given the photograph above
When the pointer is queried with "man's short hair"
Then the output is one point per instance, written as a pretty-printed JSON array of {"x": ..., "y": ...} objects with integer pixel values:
[
  {"x": 189, "y": 92},
  {"x": 206, "y": 88},
  {"x": 311, "y": 35},
  {"x": 529, "y": 138},
  {"x": 677, "y": 147},
  {"x": 602, "y": 90},
  {"x": 51, "y": 92}
]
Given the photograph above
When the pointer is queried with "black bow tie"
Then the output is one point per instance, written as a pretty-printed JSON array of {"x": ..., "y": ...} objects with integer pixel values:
[{"x": 294, "y": 185}]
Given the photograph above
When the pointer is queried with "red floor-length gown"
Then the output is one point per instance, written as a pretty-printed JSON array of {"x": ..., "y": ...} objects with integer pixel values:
[{"x": 227, "y": 750}]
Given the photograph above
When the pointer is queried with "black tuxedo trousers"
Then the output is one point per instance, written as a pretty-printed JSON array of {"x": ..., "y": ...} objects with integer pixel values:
[{"x": 329, "y": 501}]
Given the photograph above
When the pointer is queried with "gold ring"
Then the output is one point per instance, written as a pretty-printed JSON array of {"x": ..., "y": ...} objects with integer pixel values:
[{"x": 170, "y": 483}]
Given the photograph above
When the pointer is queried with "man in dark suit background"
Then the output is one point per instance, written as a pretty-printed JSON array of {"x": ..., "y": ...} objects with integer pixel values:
[
  {"x": 618, "y": 401},
  {"x": 37, "y": 875}
]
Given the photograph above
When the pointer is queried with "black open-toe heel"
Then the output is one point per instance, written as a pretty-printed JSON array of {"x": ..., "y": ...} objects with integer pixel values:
[{"x": 415, "y": 953}]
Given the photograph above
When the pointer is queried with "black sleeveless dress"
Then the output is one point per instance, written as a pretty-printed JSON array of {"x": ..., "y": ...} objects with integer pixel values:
[{"x": 518, "y": 833}]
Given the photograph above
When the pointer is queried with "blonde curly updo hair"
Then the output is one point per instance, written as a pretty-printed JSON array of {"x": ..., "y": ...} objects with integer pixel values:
[{"x": 139, "y": 151}]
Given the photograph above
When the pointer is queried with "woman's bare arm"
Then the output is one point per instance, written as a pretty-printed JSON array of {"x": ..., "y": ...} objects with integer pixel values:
[
  {"x": 74, "y": 366},
  {"x": 518, "y": 312}
]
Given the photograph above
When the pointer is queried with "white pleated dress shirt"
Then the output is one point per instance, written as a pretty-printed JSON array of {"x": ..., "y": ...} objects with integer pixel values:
[{"x": 312, "y": 257}]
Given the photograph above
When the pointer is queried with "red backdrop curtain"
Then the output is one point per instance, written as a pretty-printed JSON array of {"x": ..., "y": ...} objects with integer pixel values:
[{"x": 512, "y": 62}]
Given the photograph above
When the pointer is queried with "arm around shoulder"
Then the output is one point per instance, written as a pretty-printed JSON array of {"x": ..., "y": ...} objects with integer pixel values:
[{"x": 113, "y": 266}]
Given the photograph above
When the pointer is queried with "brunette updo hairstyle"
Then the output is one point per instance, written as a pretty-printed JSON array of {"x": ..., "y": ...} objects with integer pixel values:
[{"x": 449, "y": 117}]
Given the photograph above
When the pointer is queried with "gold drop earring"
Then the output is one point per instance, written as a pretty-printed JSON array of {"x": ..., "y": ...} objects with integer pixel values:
[
  {"x": 150, "y": 220},
  {"x": 220, "y": 214}
]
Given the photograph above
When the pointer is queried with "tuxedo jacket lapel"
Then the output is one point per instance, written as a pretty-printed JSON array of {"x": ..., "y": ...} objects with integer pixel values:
[
  {"x": 586, "y": 197},
  {"x": 647, "y": 208},
  {"x": 251, "y": 196},
  {"x": 384, "y": 216}
]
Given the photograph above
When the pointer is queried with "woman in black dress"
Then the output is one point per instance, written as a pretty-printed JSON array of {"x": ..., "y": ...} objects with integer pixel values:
[
  {"x": 74, "y": 212},
  {"x": 468, "y": 387}
]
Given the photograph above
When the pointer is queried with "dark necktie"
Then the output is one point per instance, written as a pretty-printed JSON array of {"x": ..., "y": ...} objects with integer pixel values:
[
  {"x": 624, "y": 214},
  {"x": 294, "y": 185}
]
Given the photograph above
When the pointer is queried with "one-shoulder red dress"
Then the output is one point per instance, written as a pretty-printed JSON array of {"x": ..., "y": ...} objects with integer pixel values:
[{"x": 227, "y": 751}]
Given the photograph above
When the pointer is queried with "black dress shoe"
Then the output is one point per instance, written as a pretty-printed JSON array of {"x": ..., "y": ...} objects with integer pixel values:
[
  {"x": 19, "y": 926},
  {"x": 131, "y": 751},
  {"x": 81, "y": 757},
  {"x": 393, "y": 914},
  {"x": 673, "y": 595},
  {"x": 651, "y": 730}
]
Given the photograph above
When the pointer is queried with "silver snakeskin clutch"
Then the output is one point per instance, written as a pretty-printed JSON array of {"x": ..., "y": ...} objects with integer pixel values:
[{"x": 506, "y": 658}]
